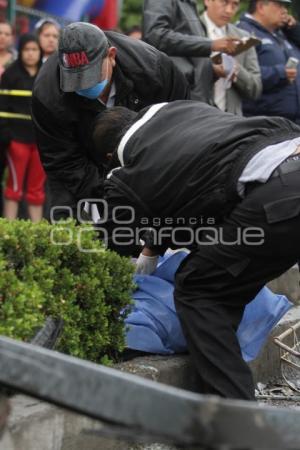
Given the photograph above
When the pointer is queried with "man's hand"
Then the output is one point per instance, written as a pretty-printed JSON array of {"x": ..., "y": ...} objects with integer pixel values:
[
  {"x": 146, "y": 262},
  {"x": 219, "y": 71},
  {"x": 291, "y": 74},
  {"x": 290, "y": 21},
  {"x": 225, "y": 45},
  {"x": 235, "y": 73}
]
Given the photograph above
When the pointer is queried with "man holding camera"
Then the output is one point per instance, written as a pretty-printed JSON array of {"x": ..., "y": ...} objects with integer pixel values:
[{"x": 278, "y": 56}]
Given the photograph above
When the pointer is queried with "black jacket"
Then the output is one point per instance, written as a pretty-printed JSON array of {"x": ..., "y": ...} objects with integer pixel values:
[
  {"x": 63, "y": 121},
  {"x": 174, "y": 27},
  {"x": 185, "y": 163},
  {"x": 16, "y": 77}
]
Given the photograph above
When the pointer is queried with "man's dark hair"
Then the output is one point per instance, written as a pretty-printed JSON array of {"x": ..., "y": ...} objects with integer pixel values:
[
  {"x": 109, "y": 128},
  {"x": 252, "y": 5},
  {"x": 133, "y": 29}
]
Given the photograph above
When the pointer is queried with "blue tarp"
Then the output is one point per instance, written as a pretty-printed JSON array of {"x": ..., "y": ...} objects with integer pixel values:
[{"x": 153, "y": 325}]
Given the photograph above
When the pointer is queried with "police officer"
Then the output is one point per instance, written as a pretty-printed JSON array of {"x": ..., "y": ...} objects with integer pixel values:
[
  {"x": 92, "y": 71},
  {"x": 224, "y": 186},
  {"x": 278, "y": 54}
]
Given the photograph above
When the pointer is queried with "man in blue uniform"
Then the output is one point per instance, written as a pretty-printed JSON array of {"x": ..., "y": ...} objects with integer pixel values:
[{"x": 280, "y": 41}]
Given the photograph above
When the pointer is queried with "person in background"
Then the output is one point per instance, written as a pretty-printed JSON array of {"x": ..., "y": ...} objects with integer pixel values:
[
  {"x": 134, "y": 32},
  {"x": 23, "y": 157},
  {"x": 7, "y": 56},
  {"x": 279, "y": 33},
  {"x": 245, "y": 79},
  {"x": 48, "y": 34},
  {"x": 174, "y": 27},
  {"x": 48, "y": 31}
]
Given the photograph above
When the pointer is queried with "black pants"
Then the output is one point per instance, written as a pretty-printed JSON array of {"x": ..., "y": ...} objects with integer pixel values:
[{"x": 215, "y": 282}]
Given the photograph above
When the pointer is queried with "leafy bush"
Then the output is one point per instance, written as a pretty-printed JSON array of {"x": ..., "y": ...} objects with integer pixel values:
[{"x": 44, "y": 273}]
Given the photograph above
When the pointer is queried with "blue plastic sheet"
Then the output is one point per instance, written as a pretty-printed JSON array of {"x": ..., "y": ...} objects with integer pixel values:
[{"x": 153, "y": 325}]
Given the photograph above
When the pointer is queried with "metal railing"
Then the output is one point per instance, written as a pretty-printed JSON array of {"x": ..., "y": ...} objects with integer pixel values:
[{"x": 126, "y": 404}]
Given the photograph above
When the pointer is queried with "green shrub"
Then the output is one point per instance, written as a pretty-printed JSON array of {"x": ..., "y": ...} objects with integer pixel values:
[{"x": 44, "y": 273}]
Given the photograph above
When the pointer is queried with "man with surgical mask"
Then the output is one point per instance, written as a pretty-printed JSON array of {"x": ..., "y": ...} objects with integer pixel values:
[{"x": 91, "y": 71}]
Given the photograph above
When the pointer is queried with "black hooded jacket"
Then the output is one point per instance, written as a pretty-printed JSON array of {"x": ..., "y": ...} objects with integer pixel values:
[
  {"x": 63, "y": 121},
  {"x": 16, "y": 77},
  {"x": 182, "y": 164}
]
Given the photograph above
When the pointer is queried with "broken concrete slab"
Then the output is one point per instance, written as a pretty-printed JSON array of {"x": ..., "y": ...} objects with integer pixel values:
[
  {"x": 288, "y": 284},
  {"x": 267, "y": 365}
]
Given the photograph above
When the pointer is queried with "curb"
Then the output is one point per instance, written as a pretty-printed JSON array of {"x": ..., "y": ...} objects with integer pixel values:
[{"x": 35, "y": 425}]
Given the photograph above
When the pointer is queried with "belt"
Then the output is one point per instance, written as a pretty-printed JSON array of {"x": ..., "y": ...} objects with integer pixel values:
[{"x": 292, "y": 164}]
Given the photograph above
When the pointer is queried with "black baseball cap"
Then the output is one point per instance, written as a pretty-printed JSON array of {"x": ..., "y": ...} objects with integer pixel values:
[{"x": 81, "y": 50}]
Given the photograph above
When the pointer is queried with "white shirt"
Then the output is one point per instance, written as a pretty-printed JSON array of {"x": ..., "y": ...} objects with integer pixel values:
[
  {"x": 111, "y": 97},
  {"x": 261, "y": 166},
  {"x": 215, "y": 32}
]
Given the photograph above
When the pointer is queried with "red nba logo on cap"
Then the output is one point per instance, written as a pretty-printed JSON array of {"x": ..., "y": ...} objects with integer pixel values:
[{"x": 76, "y": 59}]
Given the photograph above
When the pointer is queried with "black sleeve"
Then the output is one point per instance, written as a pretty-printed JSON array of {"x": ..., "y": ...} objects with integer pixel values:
[
  {"x": 173, "y": 84},
  {"x": 119, "y": 222},
  {"x": 125, "y": 226},
  {"x": 293, "y": 34},
  {"x": 63, "y": 159},
  {"x": 158, "y": 30}
]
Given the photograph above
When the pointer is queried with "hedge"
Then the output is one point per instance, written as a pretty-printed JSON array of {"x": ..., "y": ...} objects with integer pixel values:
[{"x": 63, "y": 271}]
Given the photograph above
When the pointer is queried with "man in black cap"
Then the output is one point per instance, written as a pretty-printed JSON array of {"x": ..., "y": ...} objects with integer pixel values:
[
  {"x": 92, "y": 71},
  {"x": 278, "y": 57}
]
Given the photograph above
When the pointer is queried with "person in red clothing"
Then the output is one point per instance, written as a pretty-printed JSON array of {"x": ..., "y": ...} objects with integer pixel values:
[
  {"x": 7, "y": 56},
  {"x": 23, "y": 157}
]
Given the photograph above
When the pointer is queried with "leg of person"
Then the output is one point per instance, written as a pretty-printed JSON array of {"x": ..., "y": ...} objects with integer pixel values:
[
  {"x": 214, "y": 284},
  {"x": 35, "y": 192},
  {"x": 11, "y": 208},
  {"x": 35, "y": 212},
  {"x": 17, "y": 157}
]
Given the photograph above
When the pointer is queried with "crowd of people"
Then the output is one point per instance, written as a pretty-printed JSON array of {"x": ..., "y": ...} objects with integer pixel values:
[
  {"x": 262, "y": 80},
  {"x": 22, "y": 177},
  {"x": 199, "y": 128},
  {"x": 25, "y": 177}
]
